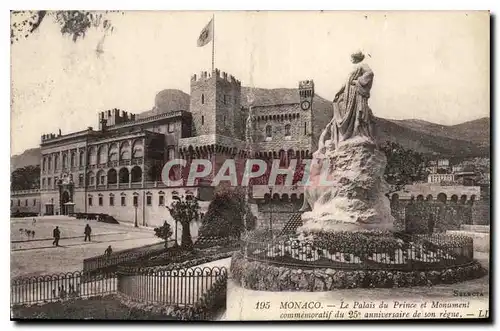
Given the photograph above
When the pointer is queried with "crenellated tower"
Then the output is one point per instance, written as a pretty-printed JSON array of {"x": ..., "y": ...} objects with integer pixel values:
[{"x": 216, "y": 104}]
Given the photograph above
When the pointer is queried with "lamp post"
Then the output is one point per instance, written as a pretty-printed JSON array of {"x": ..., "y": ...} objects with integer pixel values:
[
  {"x": 271, "y": 211},
  {"x": 136, "y": 225},
  {"x": 176, "y": 240}
]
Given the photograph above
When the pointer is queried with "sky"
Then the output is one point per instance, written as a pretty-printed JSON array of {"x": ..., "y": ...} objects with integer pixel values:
[{"x": 428, "y": 65}]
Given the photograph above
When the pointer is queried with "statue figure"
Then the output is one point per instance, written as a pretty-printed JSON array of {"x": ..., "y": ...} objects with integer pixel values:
[
  {"x": 352, "y": 117},
  {"x": 351, "y": 114}
]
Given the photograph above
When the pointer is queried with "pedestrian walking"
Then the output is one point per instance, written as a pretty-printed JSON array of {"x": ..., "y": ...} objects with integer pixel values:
[
  {"x": 108, "y": 251},
  {"x": 57, "y": 235},
  {"x": 87, "y": 232}
]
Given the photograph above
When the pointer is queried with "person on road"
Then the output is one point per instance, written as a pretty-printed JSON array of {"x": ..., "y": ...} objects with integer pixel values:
[
  {"x": 57, "y": 235},
  {"x": 108, "y": 251},
  {"x": 88, "y": 231},
  {"x": 34, "y": 221}
]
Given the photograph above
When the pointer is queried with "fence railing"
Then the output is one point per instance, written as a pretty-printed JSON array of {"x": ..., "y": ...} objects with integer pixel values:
[
  {"x": 183, "y": 287},
  {"x": 417, "y": 252},
  {"x": 49, "y": 288},
  {"x": 180, "y": 287},
  {"x": 122, "y": 257}
]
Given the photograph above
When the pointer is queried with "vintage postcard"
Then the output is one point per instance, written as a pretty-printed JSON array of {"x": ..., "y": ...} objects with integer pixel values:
[{"x": 238, "y": 166}]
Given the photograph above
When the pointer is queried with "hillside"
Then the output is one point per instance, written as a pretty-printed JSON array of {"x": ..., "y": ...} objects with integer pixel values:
[
  {"x": 476, "y": 131},
  {"x": 28, "y": 157},
  {"x": 467, "y": 139}
]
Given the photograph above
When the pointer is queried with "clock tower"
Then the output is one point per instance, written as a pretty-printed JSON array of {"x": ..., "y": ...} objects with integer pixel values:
[{"x": 306, "y": 93}]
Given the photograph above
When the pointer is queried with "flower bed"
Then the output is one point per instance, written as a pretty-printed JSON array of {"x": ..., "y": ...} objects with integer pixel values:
[
  {"x": 363, "y": 250},
  {"x": 262, "y": 276}
]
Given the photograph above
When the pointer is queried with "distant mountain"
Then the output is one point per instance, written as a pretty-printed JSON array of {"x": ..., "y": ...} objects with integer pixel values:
[
  {"x": 469, "y": 139},
  {"x": 476, "y": 131},
  {"x": 28, "y": 157}
]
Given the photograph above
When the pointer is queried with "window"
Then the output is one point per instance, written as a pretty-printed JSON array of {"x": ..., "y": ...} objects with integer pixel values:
[
  {"x": 224, "y": 99},
  {"x": 305, "y": 127},
  {"x": 287, "y": 130},
  {"x": 202, "y": 119},
  {"x": 136, "y": 200},
  {"x": 49, "y": 182},
  {"x": 80, "y": 180},
  {"x": 269, "y": 131},
  {"x": 149, "y": 200},
  {"x": 43, "y": 182},
  {"x": 202, "y": 98},
  {"x": 111, "y": 200},
  {"x": 18, "y": 203},
  {"x": 102, "y": 180},
  {"x": 26, "y": 203},
  {"x": 170, "y": 127},
  {"x": 171, "y": 153},
  {"x": 49, "y": 162},
  {"x": 161, "y": 200},
  {"x": 123, "y": 203},
  {"x": 44, "y": 164},
  {"x": 90, "y": 200},
  {"x": 100, "y": 200},
  {"x": 34, "y": 202}
]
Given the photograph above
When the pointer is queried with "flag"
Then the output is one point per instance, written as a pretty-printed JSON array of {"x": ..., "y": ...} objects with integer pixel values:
[{"x": 206, "y": 34}]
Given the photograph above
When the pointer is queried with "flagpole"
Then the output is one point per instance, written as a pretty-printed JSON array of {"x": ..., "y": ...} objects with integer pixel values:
[{"x": 213, "y": 41}]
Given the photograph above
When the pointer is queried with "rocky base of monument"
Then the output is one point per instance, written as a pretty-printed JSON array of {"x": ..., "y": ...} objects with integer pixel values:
[
  {"x": 262, "y": 276},
  {"x": 325, "y": 261},
  {"x": 354, "y": 197}
]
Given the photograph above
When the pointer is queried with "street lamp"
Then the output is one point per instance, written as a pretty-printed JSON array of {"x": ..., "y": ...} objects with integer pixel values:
[
  {"x": 136, "y": 225},
  {"x": 271, "y": 211}
]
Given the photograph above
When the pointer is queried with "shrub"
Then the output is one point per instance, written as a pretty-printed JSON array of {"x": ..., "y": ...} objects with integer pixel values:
[
  {"x": 228, "y": 215},
  {"x": 164, "y": 232}
]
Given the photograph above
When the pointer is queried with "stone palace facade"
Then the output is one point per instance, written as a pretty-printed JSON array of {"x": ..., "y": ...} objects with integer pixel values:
[{"x": 116, "y": 169}]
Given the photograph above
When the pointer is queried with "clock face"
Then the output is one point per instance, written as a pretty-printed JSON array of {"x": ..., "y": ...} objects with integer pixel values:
[{"x": 305, "y": 105}]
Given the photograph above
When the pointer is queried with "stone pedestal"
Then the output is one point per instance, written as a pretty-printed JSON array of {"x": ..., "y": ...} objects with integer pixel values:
[{"x": 353, "y": 195}]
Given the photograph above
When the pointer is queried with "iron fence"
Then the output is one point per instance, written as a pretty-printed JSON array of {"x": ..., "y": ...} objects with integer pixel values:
[
  {"x": 122, "y": 257},
  {"x": 42, "y": 289},
  {"x": 183, "y": 287},
  {"x": 417, "y": 252},
  {"x": 180, "y": 287}
]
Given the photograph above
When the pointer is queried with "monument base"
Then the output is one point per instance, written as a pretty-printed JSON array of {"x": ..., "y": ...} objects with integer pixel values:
[
  {"x": 347, "y": 190},
  {"x": 263, "y": 276}
]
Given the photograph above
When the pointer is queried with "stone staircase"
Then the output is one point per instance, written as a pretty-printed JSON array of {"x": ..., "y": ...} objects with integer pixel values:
[{"x": 293, "y": 223}]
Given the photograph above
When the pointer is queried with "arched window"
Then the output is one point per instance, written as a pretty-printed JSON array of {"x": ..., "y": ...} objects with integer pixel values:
[
  {"x": 287, "y": 130},
  {"x": 81, "y": 160},
  {"x": 202, "y": 98},
  {"x": 269, "y": 131},
  {"x": 72, "y": 159},
  {"x": 64, "y": 161},
  {"x": 56, "y": 161}
]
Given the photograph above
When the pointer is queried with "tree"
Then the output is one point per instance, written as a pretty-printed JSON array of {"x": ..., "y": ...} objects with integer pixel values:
[
  {"x": 25, "y": 178},
  {"x": 74, "y": 23},
  {"x": 164, "y": 232},
  {"x": 228, "y": 215},
  {"x": 185, "y": 211},
  {"x": 404, "y": 166}
]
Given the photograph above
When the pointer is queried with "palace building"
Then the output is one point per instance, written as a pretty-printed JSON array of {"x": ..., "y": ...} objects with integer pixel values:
[{"x": 116, "y": 168}]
